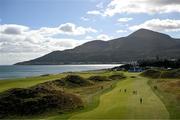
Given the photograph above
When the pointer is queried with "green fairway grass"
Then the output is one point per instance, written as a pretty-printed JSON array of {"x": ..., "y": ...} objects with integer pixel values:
[{"x": 121, "y": 105}]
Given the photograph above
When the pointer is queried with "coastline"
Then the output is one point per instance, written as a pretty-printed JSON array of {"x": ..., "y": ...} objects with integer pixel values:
[{"x": 21, "y": 71}]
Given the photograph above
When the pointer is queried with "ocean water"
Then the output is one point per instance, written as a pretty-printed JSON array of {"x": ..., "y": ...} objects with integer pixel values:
[{"x": 20, "y": 71}]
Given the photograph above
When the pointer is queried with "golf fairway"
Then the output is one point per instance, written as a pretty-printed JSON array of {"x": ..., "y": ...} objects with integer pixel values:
[{"x": 118, "y": 104}]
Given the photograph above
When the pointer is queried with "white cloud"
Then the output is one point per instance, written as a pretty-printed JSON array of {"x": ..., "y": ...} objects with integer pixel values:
[
  {"x": 61, "y": 44},
  {"x": 89, "y": 38},
  {"x": 139, "y": 6},
  {"x": 29, "y": 43},
  {"x": 103, "y": 37},
  {"x": 167, "y": 2},
  {"x": 13, "y": 29},
  {"x": 121, "y": 31},
  {"x": 124, "y": 19},
  {"x": 94, "y": 12},
  {"x": 98, "y": 37},
  {"x": 165, "y": 25},
  {"x": 72, "y": 29},
  {"x": 19, "y": 39},
  {"x": 66, "y": 29},
  {"x": 11, "y": 58}
]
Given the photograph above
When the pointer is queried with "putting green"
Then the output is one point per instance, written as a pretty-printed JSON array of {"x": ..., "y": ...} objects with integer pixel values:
[{"x": 126, "y": 105}]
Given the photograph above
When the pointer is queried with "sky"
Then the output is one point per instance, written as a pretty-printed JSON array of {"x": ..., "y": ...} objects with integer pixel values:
[{"x": 32, "y": 28}]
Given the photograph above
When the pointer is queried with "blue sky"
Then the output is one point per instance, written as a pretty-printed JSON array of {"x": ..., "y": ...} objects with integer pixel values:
[
  {"x": 31, "y": 28},
  {"x": 39, "y": 13}
]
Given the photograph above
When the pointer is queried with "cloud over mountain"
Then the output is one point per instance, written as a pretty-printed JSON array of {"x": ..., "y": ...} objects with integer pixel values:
[
  {"x": 138, "y": 6},
  {"x": 19, "y": 39},
  {"x": 103, "y": 37},
  {"x": 166, "y": 25}
]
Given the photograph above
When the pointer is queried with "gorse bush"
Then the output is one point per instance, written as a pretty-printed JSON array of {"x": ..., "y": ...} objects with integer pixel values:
[
  {"x": 76, "y": 80},
  {"x": 117, "y": 76},
  {"x": 171, "y": 74},
  {"x": 155, "y": 73},
  {"x": 35, "y": 100},
  {"x": 98, "y": 78}
]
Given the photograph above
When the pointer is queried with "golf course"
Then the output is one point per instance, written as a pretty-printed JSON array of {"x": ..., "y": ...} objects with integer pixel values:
[
  {"x": 118, "y": 104},
  {"x": 129, "y": 96}
]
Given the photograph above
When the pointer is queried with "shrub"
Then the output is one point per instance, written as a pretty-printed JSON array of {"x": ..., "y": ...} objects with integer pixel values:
[
  {"x": 116, "y": 76},
  {"x": 133, "y": 76},
  {"x": 45, "y": 75},
  {"x": 59, "y": 82},
  {"x": 155, "y": 87},
  {"x": 31, "y": 101},
  {"x": 152, "y": 73},
  {"x": 162, "y": 73},
  {"x": 171, "y": 74},
  {"x": 98, "y": 78},
  {"x": 76, "y": 81}
]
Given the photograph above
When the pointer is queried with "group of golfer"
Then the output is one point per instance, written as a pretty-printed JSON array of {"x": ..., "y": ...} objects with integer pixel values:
[{"x": 134, "y": 93}]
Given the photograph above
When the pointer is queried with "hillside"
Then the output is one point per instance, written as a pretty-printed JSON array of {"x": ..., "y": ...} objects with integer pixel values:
[{"x": 142, "y": 44}]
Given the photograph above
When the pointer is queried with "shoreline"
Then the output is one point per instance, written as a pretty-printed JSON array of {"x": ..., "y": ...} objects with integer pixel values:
[{"x": 22, "y": 71}]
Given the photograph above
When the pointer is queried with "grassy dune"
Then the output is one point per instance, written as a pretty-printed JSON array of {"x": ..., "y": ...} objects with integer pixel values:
[
  {"x": 168, "y": 91},
  {"x": 88, "y": 93},
  {"x": 166, "y": 85}
]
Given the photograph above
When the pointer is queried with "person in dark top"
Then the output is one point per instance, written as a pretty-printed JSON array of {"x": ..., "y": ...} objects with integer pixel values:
[
  {"x": 125, "y": 90},
  {"x": 135, "y": 92},
  {"x": 141, "y": 100}
]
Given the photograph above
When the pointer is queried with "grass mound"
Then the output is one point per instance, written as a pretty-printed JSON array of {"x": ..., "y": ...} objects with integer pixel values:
[
  {"x": 117, "y": 76},
  {"x": 75, "y": 81},
  {"x": 171, "y": 74},
  {"x": 58, "y": 82},
  {"x": 169, "y": 92},
  {"x": 45, "y": 87},
  {"x": 162, "y": 73},
  {"x": 152, "y": 73},
  {"x": 68, "y": 81},
  {"x": 36, "y": 100},
  {"x": 98, "y": 78}
]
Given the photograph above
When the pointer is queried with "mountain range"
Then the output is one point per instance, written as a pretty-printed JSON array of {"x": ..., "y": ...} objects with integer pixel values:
[{"x": 141, "y": 44}]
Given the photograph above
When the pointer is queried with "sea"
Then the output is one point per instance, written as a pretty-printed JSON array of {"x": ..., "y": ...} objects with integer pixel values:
[{"x": 21, "y": 71}]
